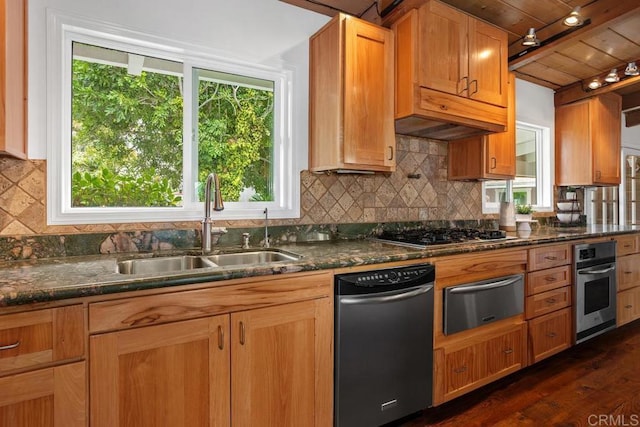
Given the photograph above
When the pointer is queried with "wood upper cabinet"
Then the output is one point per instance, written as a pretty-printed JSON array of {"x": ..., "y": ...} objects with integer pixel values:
[
  {"x": 351, "y": 97},
  {"x": 490, "y": 156},
  {"x": 451, "y": 73},
  {"x": 277, "y": 359},
  {"x": 54, "y": 397},
  {"x": 13, "y": 80},
  {"x": 588, "y": 141}
]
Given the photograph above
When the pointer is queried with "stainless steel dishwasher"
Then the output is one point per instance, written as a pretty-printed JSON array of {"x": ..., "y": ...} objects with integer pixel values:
[{"x": 383, "y": 344}]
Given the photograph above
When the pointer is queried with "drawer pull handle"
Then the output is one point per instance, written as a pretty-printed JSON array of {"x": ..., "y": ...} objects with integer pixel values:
[
  {"x": 220, "y": 337},
  {"x": 10, "y": 346},
  {"x": 628, "y": 306},
  {"x": 460, "y": 370},
  {"x": 241, "y": 333},
  {"x": 550, "y": 279},
  {"x": 550, "y": 300},
  {"x": 551, "y": 335},
  {"x": 508, "y": 351},
  {"x": 551, "y": 258},
  {"x": 390, "y": 152},
  {"x": 628, "y": 245},
  {"x": 628, "y": 272}
]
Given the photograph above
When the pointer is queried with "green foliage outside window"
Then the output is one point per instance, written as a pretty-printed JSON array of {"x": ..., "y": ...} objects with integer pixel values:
[{"x": 127, "y": 137}]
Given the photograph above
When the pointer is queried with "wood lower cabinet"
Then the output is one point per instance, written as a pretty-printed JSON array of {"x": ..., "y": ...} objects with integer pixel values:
[
  {"x": 258, "y": 352},
  {"x": 175, "y": 374},
  {"x": 550, "y": 334},
  {"x": 628, "y": 308},
  {"x": 628, "y": 270},
  {"x": 51, "y": 397},
  {"x": 276, "y": 357},
  {"x": 469, "y": 364}
]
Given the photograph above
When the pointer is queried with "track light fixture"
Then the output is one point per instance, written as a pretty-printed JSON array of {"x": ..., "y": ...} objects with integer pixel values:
[
  {"x": 574, "y": 19},
  {"x": 594, "y": 84},
  {"x": 632, "y": 69},
  {"x": 612, "y": 77},
  {"x": 530, "y": 38}
]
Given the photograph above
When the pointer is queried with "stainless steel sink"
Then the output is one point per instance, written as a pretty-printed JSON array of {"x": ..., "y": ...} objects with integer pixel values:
[
  {"x": 248, "y": 258},
  {"x": 162, "y": 264},
  {"x": 172, "y": 264}
]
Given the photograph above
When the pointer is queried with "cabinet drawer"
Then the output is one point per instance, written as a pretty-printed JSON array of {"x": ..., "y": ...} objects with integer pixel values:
[
  {"x": 627, "y": 245},
  {"x": 174, "y": 306},
  {"x": 549, "y": 256},
  {"x": 547, "y": 302},
  {"x": 628, "y": 268},
  {"x": 628, "y": 308},
  {"x": 545, "y": 280},
  {"x": 38, "y": 337},
  {"x": 549, "y": 334}
]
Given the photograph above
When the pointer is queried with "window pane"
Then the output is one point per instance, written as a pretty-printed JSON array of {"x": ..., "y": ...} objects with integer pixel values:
[
  {"x": 126, "y": 147},
  {"x": 525, "y": 184},
  {"x": 235, "y": 134}
]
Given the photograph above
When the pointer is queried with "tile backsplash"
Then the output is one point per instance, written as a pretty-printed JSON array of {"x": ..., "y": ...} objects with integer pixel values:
[{"x": 417, "y": 191}]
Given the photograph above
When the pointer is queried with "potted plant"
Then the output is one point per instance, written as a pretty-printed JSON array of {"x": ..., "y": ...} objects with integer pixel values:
[{"x": 523, "y": 212}]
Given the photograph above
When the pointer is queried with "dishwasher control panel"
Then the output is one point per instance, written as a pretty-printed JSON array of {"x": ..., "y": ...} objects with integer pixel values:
[{"x": 385, "y": 279}]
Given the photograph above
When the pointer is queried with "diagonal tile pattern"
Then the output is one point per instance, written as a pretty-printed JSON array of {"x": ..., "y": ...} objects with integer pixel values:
[{"x": 417, "y": 191}]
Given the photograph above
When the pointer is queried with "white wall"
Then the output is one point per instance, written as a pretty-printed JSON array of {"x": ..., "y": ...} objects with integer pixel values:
[
  {"x": 630, "y": 136},
  {"x": 263, "y": 31}
]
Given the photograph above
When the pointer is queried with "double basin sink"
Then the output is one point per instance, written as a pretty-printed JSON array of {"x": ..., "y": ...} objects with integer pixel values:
[{"x": 172, "y": 264}]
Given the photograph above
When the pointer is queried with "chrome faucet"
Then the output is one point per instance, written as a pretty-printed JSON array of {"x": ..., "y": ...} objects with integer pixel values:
[
  {"x": 217, "y": 206},
  {"x": 266, "y": 228}
]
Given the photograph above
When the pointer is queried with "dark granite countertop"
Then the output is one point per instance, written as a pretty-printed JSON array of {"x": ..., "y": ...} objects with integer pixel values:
[{"x": 24, "y": 282}]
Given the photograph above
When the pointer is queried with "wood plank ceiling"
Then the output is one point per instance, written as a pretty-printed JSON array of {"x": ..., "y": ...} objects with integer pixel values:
[{"x": 564, "y": 62}]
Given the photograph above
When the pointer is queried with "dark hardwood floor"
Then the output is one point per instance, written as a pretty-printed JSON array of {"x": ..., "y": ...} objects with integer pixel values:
[{"x": 596, "y": 383}]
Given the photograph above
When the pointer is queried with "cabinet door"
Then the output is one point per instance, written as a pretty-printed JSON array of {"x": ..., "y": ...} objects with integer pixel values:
[
  {"x": 53, "y": 397},
  {"x": 628, "y": 306},
  {"x": 444, "y": 49},
  {"x": 282, "y": 359},
  {"x": 549, "y": 334},
  {"x": 13, "y": 80},
  {"x": 501, "y": 147},
  {"x": 488, "y": 72},
  {"x": 369, "y": 134},
  {"x": 605, "y": 121},
  {"x": 170, "y": 375}
]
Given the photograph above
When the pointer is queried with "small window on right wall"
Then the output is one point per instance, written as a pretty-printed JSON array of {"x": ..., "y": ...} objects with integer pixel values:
[{"x": 532, "y": 184}]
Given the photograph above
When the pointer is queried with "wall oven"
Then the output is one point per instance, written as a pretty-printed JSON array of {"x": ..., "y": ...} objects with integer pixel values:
[{"x": 595, "y": 289}]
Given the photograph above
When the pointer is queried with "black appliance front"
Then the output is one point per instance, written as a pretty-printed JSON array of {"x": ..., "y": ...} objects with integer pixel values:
[{"x": 383, "y": 345}]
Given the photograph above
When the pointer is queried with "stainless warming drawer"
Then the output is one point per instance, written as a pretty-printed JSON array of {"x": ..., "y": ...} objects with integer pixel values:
[{"x": 475, "y": 304}]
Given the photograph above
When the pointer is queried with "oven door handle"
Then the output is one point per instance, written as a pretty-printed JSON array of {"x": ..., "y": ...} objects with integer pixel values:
[
  {"x": 484, "y": 286},
  {"x": 388, "y": 297},
  {"x": 606, "y": 270}
]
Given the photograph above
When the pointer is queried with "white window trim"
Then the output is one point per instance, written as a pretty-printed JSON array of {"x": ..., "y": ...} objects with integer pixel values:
[
  {"x": 544, "y": 175},
  {"x": 62, "y": 29}
]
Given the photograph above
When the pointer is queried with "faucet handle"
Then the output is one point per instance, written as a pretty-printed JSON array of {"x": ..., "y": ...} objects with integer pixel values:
[
  {"x": 218, "y": 230},
  {"x": 245, "y": 240}
]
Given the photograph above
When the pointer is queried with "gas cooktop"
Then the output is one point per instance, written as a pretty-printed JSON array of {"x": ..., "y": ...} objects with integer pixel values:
[{"x": 421, "y": 238}]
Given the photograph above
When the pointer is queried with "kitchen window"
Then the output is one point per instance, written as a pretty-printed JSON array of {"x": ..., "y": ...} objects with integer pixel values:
[
  {"x": 137, "y": 124},
  {"x": 532, "y": 184}
]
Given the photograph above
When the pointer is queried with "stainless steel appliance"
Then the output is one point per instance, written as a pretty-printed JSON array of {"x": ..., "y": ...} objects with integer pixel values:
[
  {"x": 595, "y": 289},
  {"x": 383, "y": 344},
  {"x": 423, "y": 237},
  {"x": 475, "y": 304}
]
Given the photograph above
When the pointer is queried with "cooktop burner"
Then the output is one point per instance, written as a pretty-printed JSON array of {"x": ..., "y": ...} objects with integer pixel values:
[{"x": 439, "y": 236}]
